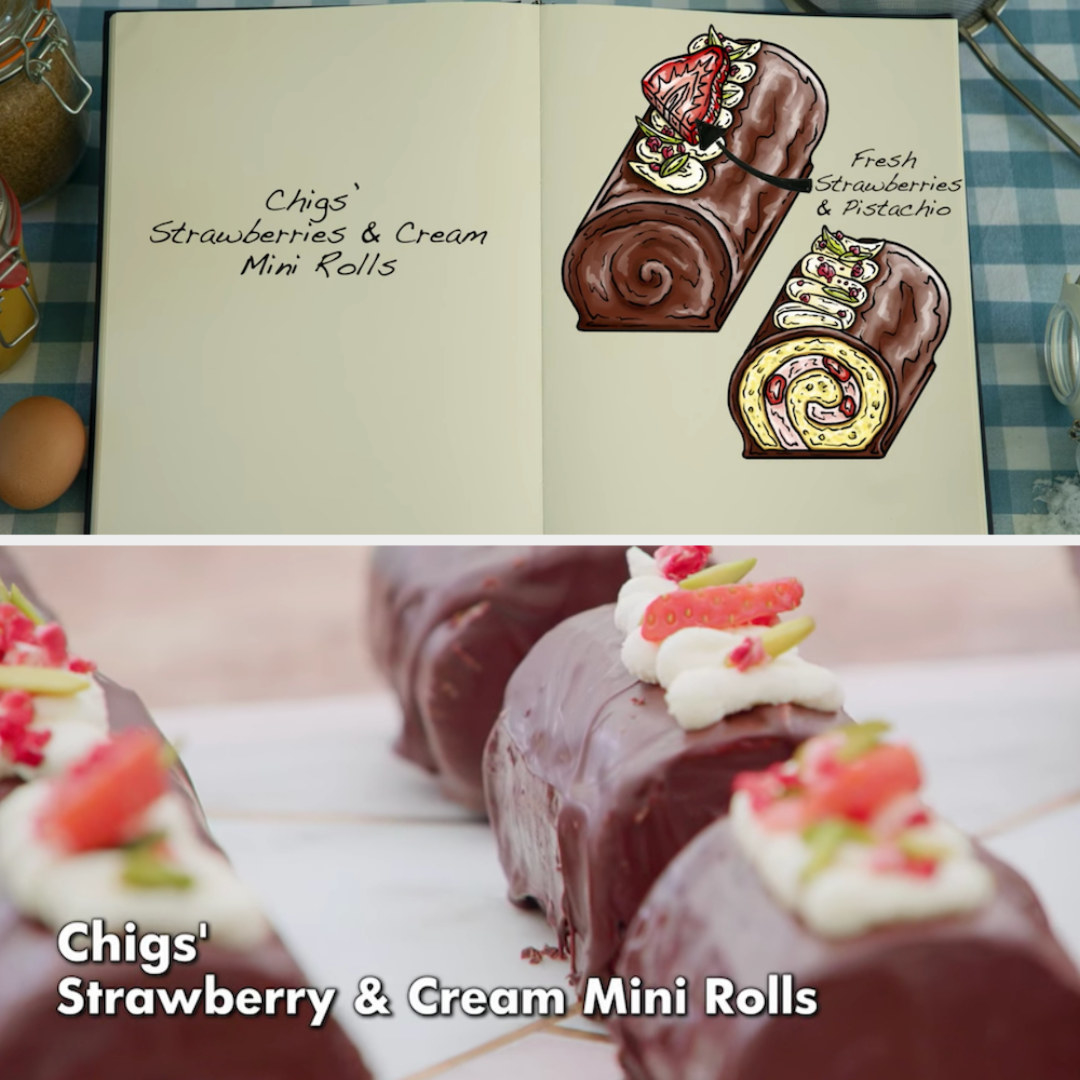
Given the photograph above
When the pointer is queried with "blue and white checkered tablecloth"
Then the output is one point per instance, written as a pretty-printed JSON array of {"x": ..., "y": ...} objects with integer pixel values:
[{"x": 1023, "y": 201}]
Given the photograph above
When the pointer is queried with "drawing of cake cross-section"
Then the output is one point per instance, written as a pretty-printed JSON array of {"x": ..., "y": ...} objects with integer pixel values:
[
  {"x": 681, "y": 221},
  {"x": 843, "y": 354}
]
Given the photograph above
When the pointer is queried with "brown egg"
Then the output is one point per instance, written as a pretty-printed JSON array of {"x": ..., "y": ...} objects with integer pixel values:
[{"x": 42, "y": 446}]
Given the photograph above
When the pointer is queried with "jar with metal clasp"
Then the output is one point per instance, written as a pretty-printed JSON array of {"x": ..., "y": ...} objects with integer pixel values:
[
  {"x": 18, "y": 302},
  {"x": 44, "y": 120}
]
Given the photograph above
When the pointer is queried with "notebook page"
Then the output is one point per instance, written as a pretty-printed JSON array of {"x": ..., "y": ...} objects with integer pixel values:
[
  {"x": 649, "y": 424},
  {"x": 366, "y": 356}
]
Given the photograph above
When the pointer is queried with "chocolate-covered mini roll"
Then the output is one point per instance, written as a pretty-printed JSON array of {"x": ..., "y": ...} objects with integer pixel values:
[
  {"x": 448, "y": 625},
  {"x": 595, "y": 779},
  {"x": 843, "y": 353},
  {"x": 99, "y": 821},
  {"x": 678, "y": 226},
  {"x": 925, "y": 955}
]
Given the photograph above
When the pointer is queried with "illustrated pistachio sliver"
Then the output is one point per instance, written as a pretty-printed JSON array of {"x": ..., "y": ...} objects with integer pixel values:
[
  {"x": 732, "y": 95},
  {"x": 16, "y": 596},
  {"x": 738, "y": 52},
  {"x": 721, "y": 574},
  {"x": 834, "y": 245},
  {"x": 674, "y": 164},
  {"x": 838, "y": 294},
  {"x": 41, "y": 680},
  {"x": 786, "y": 635},
  {"x": 145, "y": 870},
  {"x": 648, "y": 129},
  {"x": 714, "y": 37}
]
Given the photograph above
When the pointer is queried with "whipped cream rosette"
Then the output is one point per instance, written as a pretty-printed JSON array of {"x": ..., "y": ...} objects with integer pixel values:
[
  {"x": 841, "y": 836},
  {"x": 109, "y": 838},
  {"x": 593, "y": 785},
  {"x": 844, "y": 352},
  {"x": 52, "y": 707},
  {"x": 716, "y": 645},
  {"x": 678, "y": 226}
]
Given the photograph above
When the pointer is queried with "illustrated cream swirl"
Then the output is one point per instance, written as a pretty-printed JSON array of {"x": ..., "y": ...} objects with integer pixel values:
[
  {"x": 692, "y": 174},
  {"x": 56, "y": 887},
  {"x": 830, "y": 283},
  {"x": 816, "y": 392},
  {"x": 76, "y": 723},
  {"x": 690, "y": 664},
  {"x": 849, "y": 896}
]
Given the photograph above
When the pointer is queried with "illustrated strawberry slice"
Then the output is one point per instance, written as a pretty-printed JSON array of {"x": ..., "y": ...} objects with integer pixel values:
[
  {"x": 98, "y": 802},
  {"x": 866, "y": 784},
  {"x": 686, "y": 89},
  {"x": 774, "y": 389},
  {"x": 836, "y": 368},
  {"x": 719, "y": 607}
]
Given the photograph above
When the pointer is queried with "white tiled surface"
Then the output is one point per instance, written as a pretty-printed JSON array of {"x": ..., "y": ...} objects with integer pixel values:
[{"x": 367, "y": 871}]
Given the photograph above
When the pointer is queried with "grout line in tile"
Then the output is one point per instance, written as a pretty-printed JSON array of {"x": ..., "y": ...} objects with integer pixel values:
[
  {"x": 577, "y": 1033},
  {"x": 543, "y": 1024},
  {"x": 315, "y": 817},
  {"x": 1031, "y": 814}
]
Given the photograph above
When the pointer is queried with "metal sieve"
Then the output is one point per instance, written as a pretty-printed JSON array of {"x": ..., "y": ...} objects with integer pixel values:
[{"x": 973, "y": 16}]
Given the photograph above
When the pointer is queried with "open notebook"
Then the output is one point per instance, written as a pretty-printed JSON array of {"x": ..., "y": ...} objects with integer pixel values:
[{"x": 493, "y": 268}]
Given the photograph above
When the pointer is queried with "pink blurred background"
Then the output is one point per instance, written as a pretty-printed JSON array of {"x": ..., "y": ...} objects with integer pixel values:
[{"x": 185, "y": 625}]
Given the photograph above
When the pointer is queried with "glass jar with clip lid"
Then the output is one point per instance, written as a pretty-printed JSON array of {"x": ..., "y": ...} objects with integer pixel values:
[
  {"x": 44, "y": 121},
  {"x": 18, "y": 301}
]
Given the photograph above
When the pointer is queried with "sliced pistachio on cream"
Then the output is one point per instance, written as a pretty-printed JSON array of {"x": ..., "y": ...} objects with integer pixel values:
[
  {"x": 825, "y": 839},
  {"x": 24, "y": 605},
  {"x": 41, "y": 680},
  {"x": 786, "y": 635},
  {"x": 721, "y": 574}
]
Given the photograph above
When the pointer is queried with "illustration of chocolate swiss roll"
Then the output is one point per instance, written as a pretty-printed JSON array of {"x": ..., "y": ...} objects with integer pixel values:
[
  {"x": 843, "y": 354},
  {"x": 448, "y": 625},
  {"x": 677, "y": 228},
  {"x": 927, "y": 956}
]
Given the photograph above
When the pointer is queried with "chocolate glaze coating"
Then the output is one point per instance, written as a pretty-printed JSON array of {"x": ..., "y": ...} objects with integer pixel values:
[
  {"x": 593, "y": 787},
  {"x": 449, "y": 625},
  {"x": 645, "y": 259},
  {"x": 37, "y": 1043},
  {"x": 900, "y": 327},
  {"x": 989, "y": 995}
]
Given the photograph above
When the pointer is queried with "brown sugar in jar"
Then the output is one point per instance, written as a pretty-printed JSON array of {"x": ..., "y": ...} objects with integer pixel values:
[{"x": 44, "y": 121}]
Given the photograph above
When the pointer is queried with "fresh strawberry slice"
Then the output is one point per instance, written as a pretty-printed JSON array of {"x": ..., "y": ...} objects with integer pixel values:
[
  {"x": 763, "y": 788},
  {"x": 888, "y": 859},
  {"x": 719, "y": 607},
  {"x": 790, "y": 814},
  {"x": 865, "y": 785},
  {"x": 98, "y": 802}
]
